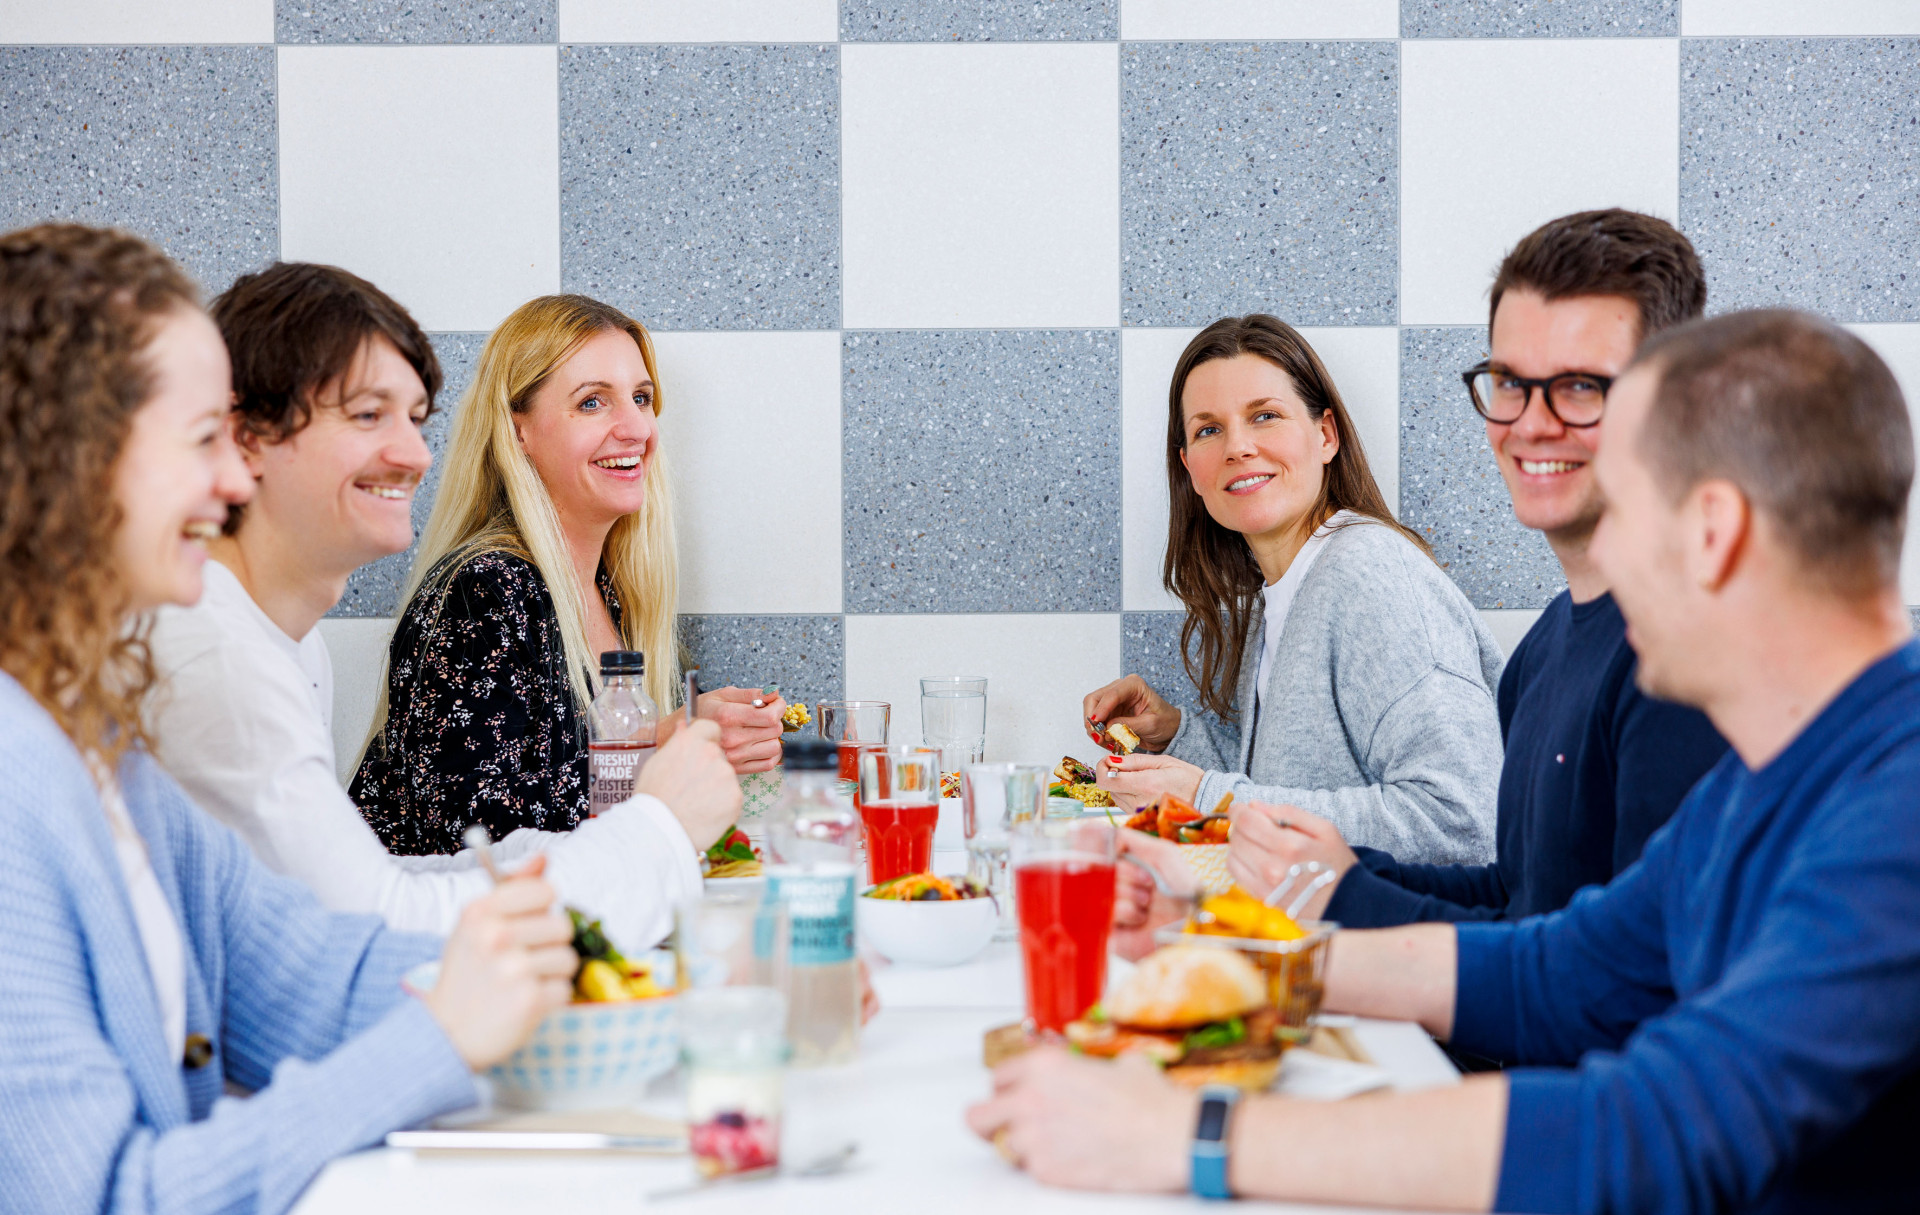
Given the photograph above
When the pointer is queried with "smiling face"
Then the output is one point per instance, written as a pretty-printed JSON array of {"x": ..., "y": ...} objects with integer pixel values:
[
  {"x": 179, "y": 470},
  {"x": 1255, "y": 454},
  {"x": 345, "y": 481},
  {"x": 590, "y": 432},
  {"x": 1548, "y": 467}
]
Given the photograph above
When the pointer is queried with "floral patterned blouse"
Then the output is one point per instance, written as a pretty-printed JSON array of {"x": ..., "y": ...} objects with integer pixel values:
[{"x": 481, "y": 724}]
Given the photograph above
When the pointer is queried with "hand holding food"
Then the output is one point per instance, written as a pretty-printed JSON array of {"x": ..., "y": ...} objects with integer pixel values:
[
  {"x": 508, "y": 964},
  {"x": 749, "y": 734},
  {"x": 1264, "y": 850},
  {"x": 691, "y": 775},
  {"x": 1134, "y": 780},
  {"x": 1129, "y": 702}
]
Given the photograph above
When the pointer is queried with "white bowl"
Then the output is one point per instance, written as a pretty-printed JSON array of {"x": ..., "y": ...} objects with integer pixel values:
[
  {"x": 929, "y": 933},
  {"x": 583, "y": 1056}
]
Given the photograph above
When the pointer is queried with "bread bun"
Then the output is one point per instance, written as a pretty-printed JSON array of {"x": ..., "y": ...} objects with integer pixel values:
[
  {"x": 1253, "y": 1075},
  {"x": 1182, "y": 986}
]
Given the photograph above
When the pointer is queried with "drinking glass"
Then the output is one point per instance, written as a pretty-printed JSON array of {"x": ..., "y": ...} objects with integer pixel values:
[
  {"x": 848, "y": 723},
  {"x": 953, "y": 718},
  {"x": 733, "y": 938},
  {"x": 993, "y": 799},
  {"x": 1063, "y": 892},
  {"x": 734, "y": 1043},
  {"x": 899, "y": 803}
]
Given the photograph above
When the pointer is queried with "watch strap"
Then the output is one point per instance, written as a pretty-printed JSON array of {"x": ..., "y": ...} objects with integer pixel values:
[{"x": 1208, "y": 1178}]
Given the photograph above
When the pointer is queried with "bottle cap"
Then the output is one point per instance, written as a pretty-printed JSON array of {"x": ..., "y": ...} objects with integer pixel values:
[
  {"x": 623, "y": 662},
  {"x": 811, "y": 755}
]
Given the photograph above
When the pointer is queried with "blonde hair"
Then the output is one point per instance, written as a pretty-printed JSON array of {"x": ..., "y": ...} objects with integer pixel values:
[{"x": 492, "y": 501}]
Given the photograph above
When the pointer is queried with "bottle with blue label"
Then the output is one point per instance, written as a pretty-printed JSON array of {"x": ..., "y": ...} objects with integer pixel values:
[{"x": 813, "y": 839}]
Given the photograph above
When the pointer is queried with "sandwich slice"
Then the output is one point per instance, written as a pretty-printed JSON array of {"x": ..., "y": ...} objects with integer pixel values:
[{"x": 1199, "y": 1011}]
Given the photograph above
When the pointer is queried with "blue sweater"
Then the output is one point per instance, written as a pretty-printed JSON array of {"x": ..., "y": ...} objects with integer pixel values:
[
  {"x": 1734, "y": 1022},
  {"x": 302, "y": 1006},
  {"x": 1593, "y": 767}
]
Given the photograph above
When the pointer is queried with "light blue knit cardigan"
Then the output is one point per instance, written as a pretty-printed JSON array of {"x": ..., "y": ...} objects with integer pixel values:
[{"x": 303, "y": 1006}]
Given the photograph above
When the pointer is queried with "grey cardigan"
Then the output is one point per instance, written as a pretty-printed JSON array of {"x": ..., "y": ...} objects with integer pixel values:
[{"x": 1379, "y": 710}]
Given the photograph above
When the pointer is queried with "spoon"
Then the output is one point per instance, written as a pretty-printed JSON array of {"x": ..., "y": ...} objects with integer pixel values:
[
  {"x": 476, "y": 838},
  {"x": 836, "y": 1161}
]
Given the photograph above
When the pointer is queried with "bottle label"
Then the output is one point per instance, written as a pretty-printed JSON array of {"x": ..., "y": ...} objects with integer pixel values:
[
  {"x": 820, "y": 908},
  {"x": 610, "y": 775}
]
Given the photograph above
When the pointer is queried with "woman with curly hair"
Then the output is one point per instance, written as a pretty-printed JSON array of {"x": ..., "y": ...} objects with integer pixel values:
[{"x": 146, "y": 959}]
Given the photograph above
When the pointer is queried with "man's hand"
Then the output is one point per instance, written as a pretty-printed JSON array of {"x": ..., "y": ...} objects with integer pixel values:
[
  {"x": 509, "y": 962},
  {"x": 1089, "y": 1124},
  {"x": 1134, "y": 780},
  {"x": 1139, "y": 909},
  {"x": 691, "y": 775},
  {"x": 1131, "y": 703},
  {"x": 749, "y": 736},
  {"x": 1261, "y": 850}
]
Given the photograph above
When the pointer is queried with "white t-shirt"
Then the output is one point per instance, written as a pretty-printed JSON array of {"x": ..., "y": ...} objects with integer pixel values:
[
  {"x": 1280, "y": 595},
  {"x": 153, "y": 916},
  {"x": 242, "y": 721}
]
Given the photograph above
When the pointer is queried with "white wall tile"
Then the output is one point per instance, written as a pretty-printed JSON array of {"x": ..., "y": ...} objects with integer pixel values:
[
  {"x": 1706, "y": 18},
  {"x": 1500, "y": 135},
  {"x": 432, "y": 171},
  {"x": 1899, "y": 345},
  {"x": 981, "y": 185},
  {"x": 1509, "y": 626},
  {"x": 699, "y": 21},
  {"x": 145, "y": 22},
  {"x": 1183, "y": 20},
  {"x": 357, "y": 647},
  {"x": 1365, "y": 364},
  {"x": 752, "y": 424},
  {"x": 1038, "y": 668}
]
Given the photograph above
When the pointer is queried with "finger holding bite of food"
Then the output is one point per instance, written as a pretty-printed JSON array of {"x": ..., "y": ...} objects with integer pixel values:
[{"x": 1134, "y": 780}]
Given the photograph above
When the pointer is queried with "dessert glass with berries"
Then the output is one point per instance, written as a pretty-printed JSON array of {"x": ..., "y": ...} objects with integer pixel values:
[{"x": 734, "y": 1043}]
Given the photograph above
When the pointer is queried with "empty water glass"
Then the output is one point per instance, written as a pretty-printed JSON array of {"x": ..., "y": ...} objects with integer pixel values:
[
  {"x": 953, "y": 718},
  {"x": 994, "y": 799}
]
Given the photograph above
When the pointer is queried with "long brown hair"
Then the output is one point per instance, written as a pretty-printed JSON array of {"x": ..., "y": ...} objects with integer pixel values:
[
  {"x": 1209, "y": 567},
  {"x": 77, "y": 307}
]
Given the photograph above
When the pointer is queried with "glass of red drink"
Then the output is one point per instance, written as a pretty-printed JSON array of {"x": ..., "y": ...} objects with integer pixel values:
[
  {"x": 899, "y": 803},
  {"x": 1063, "y": 893},
  {"x": 849, "y": 724}
]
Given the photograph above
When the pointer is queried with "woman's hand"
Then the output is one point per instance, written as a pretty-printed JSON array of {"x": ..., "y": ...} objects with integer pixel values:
[
  {"x": 1139, "y": 909},
  {"x": 1130, "y": 702},
  {"x": 1134, "y": 780},
  {"x": 749, "y": 736},
  {"x": 1263, "y": 849},
  {"x": 1089, "y": 1124},
  {"x": 691, "y": 775},
  {"x": 509, "y": 962}
]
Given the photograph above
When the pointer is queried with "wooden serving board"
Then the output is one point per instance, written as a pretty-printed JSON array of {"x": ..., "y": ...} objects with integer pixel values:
[{"x": 1003, "y": 1042}]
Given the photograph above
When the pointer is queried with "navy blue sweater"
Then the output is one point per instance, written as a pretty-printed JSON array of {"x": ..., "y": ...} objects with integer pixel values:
[
  {"x": 1734, "y": 1022},
  {"x": 1593, "y": 767}
]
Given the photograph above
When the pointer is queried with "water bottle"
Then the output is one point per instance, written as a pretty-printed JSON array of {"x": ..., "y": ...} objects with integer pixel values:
[
  {"x": 813, "y": 835},
  {"x": 623, "y": 728}
]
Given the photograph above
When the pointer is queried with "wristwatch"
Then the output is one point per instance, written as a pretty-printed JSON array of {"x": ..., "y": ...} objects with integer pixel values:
[{"x": 1209, "y": 1176}]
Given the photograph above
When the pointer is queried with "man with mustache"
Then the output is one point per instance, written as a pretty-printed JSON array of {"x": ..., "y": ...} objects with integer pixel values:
[{"x": 332, "y": 383}]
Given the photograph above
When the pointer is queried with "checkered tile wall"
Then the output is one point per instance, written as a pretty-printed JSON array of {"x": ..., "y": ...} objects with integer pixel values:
[{"x": 919, "y": 269}]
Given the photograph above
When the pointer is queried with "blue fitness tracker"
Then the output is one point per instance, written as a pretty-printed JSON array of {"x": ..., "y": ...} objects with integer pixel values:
[{"x": 1210, "y": 1141}]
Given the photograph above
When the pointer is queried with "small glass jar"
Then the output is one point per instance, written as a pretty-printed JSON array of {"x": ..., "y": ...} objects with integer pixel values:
[{"x": 734, "y": 1043}]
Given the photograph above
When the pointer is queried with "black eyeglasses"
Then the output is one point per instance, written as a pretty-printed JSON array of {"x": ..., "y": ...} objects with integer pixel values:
[{"x": 1576, "y": 398}]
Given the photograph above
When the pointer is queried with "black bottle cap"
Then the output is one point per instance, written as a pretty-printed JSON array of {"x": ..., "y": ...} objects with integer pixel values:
[
  {"x": 623, "y": 662},
  {"x": 811, "y": 755}
]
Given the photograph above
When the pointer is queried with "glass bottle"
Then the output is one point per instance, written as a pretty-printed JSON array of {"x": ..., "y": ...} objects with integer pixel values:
[
  {"x": 623, "y": 728},
  {"x": 813, "y": 837}
]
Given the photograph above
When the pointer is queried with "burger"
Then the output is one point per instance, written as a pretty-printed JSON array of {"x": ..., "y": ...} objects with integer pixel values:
[{"x": 1200, "y": 1011}]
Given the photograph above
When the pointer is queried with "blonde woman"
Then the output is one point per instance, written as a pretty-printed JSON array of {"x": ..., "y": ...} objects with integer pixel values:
[{"x": 551, "y": 542}]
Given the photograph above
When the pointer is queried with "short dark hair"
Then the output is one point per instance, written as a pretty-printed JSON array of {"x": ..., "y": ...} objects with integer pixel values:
[
  {"x": 296, "y": 327},
  {"x": 1610, "y": 252},
  {"x": 1805, "y": 419}
]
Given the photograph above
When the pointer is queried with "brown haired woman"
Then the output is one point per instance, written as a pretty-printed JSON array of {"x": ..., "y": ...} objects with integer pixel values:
[
  {"x": 146, "y": 959},
  {"x": 1363, "y": 685}
]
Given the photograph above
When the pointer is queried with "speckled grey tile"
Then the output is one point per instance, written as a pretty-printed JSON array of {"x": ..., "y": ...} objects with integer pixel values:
[
  {"x": 700, "y": 185},
  {"x": 1539, "y": 18},
  {"x": 1260, "y": 176},
  {"x": 415, "y": 21},
  {"x": 805, "y": 655},
  {"x": 1450, "y": 486},
  {"x": 979, "y": 21},
  {"x": 981, "y": 470},
  {"x": 1800, "y": 172},
  {"x": 374, "y": 589},
  {"x": 1150, "y": 648},
  {"x": 177, "y": 143}
]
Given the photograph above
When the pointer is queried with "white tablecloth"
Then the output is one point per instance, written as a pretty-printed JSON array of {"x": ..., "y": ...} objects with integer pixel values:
[{"x": 902, "y": 1103}]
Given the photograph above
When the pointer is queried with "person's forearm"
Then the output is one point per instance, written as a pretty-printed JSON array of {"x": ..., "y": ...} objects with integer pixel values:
[
  {"x": 1434, "y": 1149},
  {"x": 1399, "y": 974}
]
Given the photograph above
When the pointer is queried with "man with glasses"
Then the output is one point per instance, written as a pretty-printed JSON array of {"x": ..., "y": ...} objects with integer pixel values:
[{"x": 1593, "y": 766}]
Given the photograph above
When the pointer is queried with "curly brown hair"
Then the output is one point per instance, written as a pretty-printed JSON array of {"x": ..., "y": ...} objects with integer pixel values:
[{"x": 77, "y": 308}]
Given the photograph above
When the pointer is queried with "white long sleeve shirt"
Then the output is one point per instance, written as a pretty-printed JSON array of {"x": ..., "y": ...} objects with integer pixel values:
[{"x": 243, "y": 720}]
